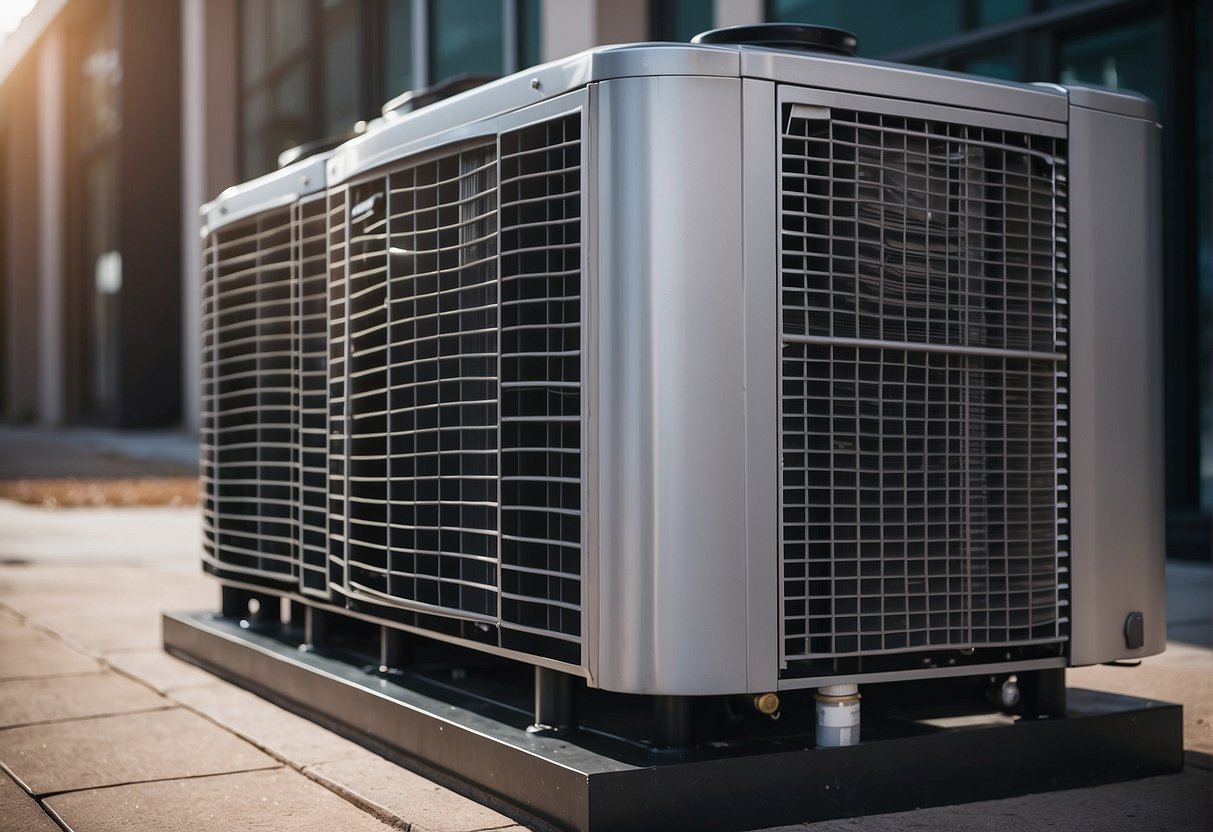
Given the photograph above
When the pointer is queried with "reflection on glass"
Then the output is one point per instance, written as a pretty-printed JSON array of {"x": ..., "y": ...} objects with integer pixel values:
[
  {"x": 100, "y": 393},
  {"x": 100, "y": 75},
  {"x": 465, "y": 37},
  {"x": 882, "y": 25},
  {"x": 278, "y": 109}
]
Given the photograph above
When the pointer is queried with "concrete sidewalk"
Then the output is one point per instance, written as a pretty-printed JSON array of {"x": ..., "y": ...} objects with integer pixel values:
[{"x": 103, "y": 730}]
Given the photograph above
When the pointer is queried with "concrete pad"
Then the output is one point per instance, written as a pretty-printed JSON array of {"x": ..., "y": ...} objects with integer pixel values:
[
  {"x": 1172, "y": 802},
  {"x": 158, "y": 669},
  {"x": 398, "y": 795},
  {"x": 132, "y": 748},
  {"x": 19, "y": 811},
  {"x": 27, "y": 701},
  {"x": 266, "y": 801},
  {"x": 35, "y": 656},
  {"x": 282, "y": 734}
]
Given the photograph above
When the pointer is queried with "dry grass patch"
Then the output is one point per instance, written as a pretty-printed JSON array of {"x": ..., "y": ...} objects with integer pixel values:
[{"x": 70, "y": 492}]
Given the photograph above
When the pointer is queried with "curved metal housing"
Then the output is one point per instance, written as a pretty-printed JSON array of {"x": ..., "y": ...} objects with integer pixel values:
[{"x": 704, "y": 369}]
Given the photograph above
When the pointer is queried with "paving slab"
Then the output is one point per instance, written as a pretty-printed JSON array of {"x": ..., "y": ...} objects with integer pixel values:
[
  {"x": 35, "y": 655},
  {"x": 11, "y": 626},
  {"x": 100, "y": 635},
  {"x": 158, "y": 669},
  {"x": 162, "y": 537},
  {"x": 145, "y": 590},
  {"x": 1175, "y": 802},
  {"x": 28, "y": 701},
  {"x": 19, "y": 812},
  {"x": 266, "y": 801},
  {"x": 397, "y": 794},
  {"x": 279, "y": 732},
  {"x": 112, "y": 750}
]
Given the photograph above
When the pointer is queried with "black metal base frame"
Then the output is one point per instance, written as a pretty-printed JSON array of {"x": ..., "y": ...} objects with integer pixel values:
[{"x": 462, "y": 739}]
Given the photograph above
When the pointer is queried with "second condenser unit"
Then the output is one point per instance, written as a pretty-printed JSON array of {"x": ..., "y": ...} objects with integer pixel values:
[{"x": 704, "y": 369}]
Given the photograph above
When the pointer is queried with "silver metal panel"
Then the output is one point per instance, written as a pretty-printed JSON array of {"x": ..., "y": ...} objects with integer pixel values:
[
  {"x": 672, "y": 560},
  {"x": 1117, "y": 102},
  {"x": 905, "y": 82},
  {"x": 760, "y": 246},
  {"x": 1115, "y": 386},
  {"x": 281, "y": 187},
  {"x": 415, "y": 132}
]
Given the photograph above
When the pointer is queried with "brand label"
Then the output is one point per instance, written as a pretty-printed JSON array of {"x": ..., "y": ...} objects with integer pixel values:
[{"x": 365, "y": 207}]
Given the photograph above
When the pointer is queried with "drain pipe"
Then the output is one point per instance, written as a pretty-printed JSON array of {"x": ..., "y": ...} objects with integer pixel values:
[{"x": 837, "y": 715}]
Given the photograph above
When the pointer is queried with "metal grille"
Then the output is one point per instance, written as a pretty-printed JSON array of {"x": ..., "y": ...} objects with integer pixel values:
[
  {"x": 206, "y": 424},
  {"x": 922, "y": 404},
  {"x": 423, "y": 384},
  {"x": 336, "y": 210},
  {"x": 541, "y": 378},
  {"x": 250, "y": 400},
  {"x": 312, "y": 410}
]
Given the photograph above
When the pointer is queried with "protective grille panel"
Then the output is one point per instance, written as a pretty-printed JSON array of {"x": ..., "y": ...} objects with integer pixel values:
[
  {"x": 922, "y": 403},
  {"x": 250, "y": 370},
  {"x": 541, "y": 377},
  {"x": 423, "y": 385},
  {"x": 312, "y": 358},
  {"x": 338, "y": 204}
]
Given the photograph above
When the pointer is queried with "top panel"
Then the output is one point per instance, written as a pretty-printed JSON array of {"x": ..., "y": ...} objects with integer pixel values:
[
  {"x": 272, "y": 190},
  {"x": 459, "y": 117}
]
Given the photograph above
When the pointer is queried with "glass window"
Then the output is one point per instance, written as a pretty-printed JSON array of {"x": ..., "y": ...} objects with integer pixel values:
[
  {"x": 399, "y": 47},
  {"x": 882, "y": 26},
  {"x": 1000, "y": 11},
  {"x": 1127, "y": 58},
  {"x": 465, "y": 37},
  {"x": 278, "y": 105},
  {"x": 342, "y": 95},
  {"x": 529, "y": 34},
  {"x": 999, "y": 62},
  {"x": 681, "y": 20}
]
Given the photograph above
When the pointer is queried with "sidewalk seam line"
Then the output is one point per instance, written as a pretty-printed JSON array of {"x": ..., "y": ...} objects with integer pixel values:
[
  {"x": 49, "y": 795},
  {"x": 67, "y": 719}
]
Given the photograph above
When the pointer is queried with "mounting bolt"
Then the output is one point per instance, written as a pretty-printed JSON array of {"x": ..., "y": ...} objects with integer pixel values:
[{"x": 535, "y": 83}]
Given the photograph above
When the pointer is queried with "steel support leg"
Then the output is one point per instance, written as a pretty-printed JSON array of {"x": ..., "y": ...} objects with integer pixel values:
[
  {"x": 394, "y": 648},
  {"x": 553, "y": 700},
  {"x": 1044, "y": 692},
  {"x": 235, "y": 603},
  {"x": 673, "y": 726}
]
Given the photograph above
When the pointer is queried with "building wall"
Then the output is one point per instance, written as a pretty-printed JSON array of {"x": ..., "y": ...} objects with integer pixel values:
[
  {"x": 20, "y": 329},
  {"x": 150, "y": 227}
]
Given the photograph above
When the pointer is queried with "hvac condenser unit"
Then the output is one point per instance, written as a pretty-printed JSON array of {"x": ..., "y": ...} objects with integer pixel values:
[{"x": 704, "y": 369}]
